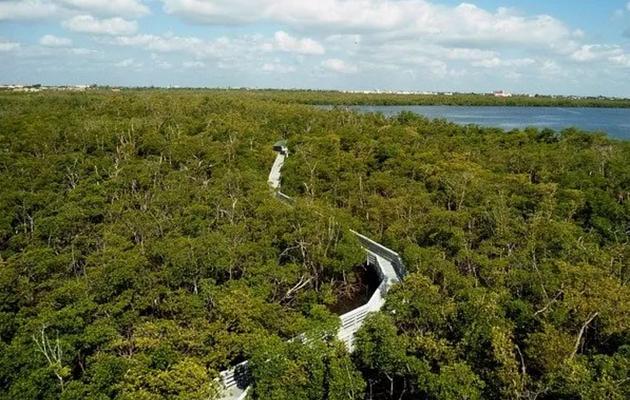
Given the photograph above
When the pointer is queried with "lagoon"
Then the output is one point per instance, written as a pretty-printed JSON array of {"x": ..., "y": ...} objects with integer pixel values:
[{"x": 613, "y": 121}]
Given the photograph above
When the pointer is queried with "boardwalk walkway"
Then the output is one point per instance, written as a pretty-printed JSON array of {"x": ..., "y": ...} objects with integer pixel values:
[
  {"x": 276, "y": 168},
  {"x": 236, "y": 381}
]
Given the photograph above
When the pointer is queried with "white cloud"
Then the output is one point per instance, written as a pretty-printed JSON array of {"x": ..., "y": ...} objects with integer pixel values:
[
  {"x": 41, "y": 9},
  {"x": 193, "y": 64},
  {"x": 467, "y": 54},
  {"x": 278, "y": 67},
  {"x": 621, "y": 59},
  {"x": 594, "y": 52},
  {"x": 496, "y": 62},
  {"x": 427, "y": 44},
  {"x": 156, "y": 61},
  {"x": 415, "y": 38},
  {"x": 337, "y": 65},
  {"x": 126, "y": 8},
  {"x": 463, "y": 24},
  {"x": 163, "y": 44},
  {"x": 551, "y": 69},
  {"x": 26, "y": 9},
  {"x": 244, "y": 53},
  {"x": 221, "y": 11},
  {"x": 8, "y": 46},
  {"x": 234, "y": 49},
  {"x": 419, "y": 38},
  {"x": 79, "y": 51},
  {"x": 110, "y": 26},
  {"x": 163, "y": 64},
  {"x": 628, "y": 6},
  {"x": 55, "y": 41},
  {"x": 125, "y": 63},
  {"x": 429, "y": 65},
  {"x": 356, "y": 13},
  {"x": 469, "y": 24},
  {"x": 286, "y": 42},
  {"x": 128, "y": 63}
]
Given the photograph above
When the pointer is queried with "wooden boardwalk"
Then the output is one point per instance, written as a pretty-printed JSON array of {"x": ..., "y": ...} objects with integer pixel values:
[{"x": 235, "y": 382}]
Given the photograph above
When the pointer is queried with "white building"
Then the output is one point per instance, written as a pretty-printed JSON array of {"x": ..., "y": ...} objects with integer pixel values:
[{"x": 502, "y": 93}]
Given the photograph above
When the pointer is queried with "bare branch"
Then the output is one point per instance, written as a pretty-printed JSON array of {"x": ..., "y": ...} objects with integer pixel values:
[
  {"x": 301, "y": 284},
  {"x": 555, "y": 299},
  {"x": 582, "y": 329},
  {"x": 52, "y": 352}
]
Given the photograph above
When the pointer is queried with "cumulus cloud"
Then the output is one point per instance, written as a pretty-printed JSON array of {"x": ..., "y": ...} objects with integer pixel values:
[
  {"x": 110, "y": 26},
  {"x": 594, "y": 52},
  {"x": 55, "y": 41},
  {"x": 463, "y": 24},
  {"x": 128, "y": 8},
  {"x": 193, "y": 64},
  {"x": 236, "y": 53},
  {"x": 551, "y": 69},
  {"x": 163, "y": 64},
  {"x": 286, "y": 42},
  {"x": 80, "y": 51},
  {"x": 40, "y": 9},
  {"x": 418, "y": 36},
  {"x": 278, "y": 67},
  {"x": 357, "y": 13},
  {"x": 337, "y": 65},
  {"x": 411, "y": 43},
  {"x": 163, "y": 44},
  {"x": 26, "y": 9},
  {"x": 128, "y": 63},
  {"x": 469, "y": 24},
  {"x": 621, "y": 60},
  {"x": 158, "y": 62},
  {"x": 496, "y": 62},
  {"x": 466, "y": 53},
  {"x": 234, "y": 48}
]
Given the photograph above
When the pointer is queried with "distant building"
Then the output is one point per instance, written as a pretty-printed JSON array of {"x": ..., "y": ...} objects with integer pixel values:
[
  {"x": 502, "y": 93},
  {"x": 27, "y": 89}
]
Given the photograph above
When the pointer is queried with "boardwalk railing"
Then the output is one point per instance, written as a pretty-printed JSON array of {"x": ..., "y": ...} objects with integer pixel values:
[
  {"x": 388, "y": 264},
  {"x": 384, "y": 252},
  {"x": 235, "y": 381}
]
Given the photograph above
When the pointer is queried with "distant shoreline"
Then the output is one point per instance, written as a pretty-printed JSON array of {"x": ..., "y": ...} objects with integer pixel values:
[
  {"x": 387, "y": 99},
  {"x": 338, "y": 98},
  {"x": 612, "y": 121}
]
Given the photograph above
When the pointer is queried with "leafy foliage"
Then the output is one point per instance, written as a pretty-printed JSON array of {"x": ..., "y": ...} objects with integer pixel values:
[
  {"x": 141, "y": 252},
  {"x": 517, "y": 245}
]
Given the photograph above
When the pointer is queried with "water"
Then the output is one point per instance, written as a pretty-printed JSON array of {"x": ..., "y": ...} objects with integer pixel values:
[{"x": 613, "y": 121}]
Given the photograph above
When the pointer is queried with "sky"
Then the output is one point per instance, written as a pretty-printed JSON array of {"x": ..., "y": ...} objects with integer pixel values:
[{"x": 570, "y": 47}]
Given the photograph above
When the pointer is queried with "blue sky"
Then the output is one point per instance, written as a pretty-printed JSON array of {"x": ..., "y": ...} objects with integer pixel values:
[{"x": 538, "y": 46}]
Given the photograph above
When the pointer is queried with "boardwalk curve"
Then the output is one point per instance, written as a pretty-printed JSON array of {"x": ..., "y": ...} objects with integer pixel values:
[{"x": 236, "y": 381}]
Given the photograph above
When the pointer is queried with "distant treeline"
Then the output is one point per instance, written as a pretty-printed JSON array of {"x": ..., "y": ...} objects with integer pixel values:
[
  {"x": 341, "y": 98},
  {"x": 322, "y": 97}
]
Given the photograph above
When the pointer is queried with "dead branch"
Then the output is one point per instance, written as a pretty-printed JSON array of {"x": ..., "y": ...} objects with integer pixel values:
[{"x": 581, "y": 333}]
